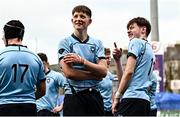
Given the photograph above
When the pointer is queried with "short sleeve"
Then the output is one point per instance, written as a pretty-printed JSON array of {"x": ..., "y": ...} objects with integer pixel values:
[
  {"x": 61, "y": 79},
  {"x": 100, "y": 50},
  {"x": 63, "y": 48},
  {"x": 134, "y": 48}
]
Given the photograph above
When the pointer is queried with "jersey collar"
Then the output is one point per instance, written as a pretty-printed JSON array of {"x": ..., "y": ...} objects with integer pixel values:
[
  {"x": 16, "y": 45},
  {"x": 86, "y": 40},
  {"x": 48, "y": 72}
]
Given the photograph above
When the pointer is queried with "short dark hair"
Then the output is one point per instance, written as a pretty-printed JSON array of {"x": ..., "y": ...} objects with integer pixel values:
[
  {"x": 14, "y": 29},
  {"x": 82, "y": 8},
  {"x": 43, "y": 57},
  {"x": 140, "y": 21}
]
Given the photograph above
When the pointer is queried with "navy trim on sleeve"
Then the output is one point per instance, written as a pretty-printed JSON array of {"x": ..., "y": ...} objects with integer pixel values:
[
  {"x": 61, "y": 58},
  {"x": 131, "y": 54},
  {"x": 102, "y": 58}
]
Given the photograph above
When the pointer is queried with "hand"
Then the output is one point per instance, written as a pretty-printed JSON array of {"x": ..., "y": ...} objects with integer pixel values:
[
  {"x": 115, "y": 104},
  {"x": 57, "y": 109},
  {"x": 73, "y": 58},
  {"x": 116, "y": 98},
  {"x": 117, "y": 53}
]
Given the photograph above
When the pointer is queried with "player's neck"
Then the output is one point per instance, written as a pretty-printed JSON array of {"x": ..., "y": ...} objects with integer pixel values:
[
  {"x": 81, "y": 35},
  {"x": 15, "y": 41},
  {"x": 47, "y": 70},
  {"x": 143, "y": 37}
]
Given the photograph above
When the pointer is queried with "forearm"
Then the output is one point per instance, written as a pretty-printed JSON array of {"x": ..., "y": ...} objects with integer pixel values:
[
  {"x": 81, "y": 75},
  {"x": 76, "y": 74},
  {"x": 40, "y": 89},
  {"x": 125, "y": 80},
  {"x": 99, "y": 70},
  {"x": 119, "y": 70}
]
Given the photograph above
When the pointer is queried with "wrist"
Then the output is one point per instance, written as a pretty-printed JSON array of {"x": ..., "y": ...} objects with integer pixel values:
[
  {"x": 118, "y": 94},
  {"x": 82, "y": 61}
]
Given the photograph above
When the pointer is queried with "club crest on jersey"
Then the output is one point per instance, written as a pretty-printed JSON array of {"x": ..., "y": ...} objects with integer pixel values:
[
  {"x": 48, "y": 80},
  {"x": 92, "y": 49}
]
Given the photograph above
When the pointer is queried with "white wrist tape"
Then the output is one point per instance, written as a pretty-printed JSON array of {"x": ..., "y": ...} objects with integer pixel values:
[{"x": 118, "y": 94}]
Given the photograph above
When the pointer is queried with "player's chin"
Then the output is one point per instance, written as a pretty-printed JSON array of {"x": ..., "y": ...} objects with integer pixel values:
[
  {"x": 79, "y": 27},
  {"x": 130, "y": 38}
]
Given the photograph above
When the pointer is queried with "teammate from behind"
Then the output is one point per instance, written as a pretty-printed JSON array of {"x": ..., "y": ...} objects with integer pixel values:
[{"x": 20, "y": 71}]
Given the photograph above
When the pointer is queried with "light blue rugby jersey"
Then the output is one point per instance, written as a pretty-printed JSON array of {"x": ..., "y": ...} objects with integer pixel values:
[
  {"x": 20, "y": 70},
  {"x": 54, "y": 81},
  {"x": 141, "y": 78},
  {"x": 92, "y": 50},
  {"x": 106, "y": 90}
]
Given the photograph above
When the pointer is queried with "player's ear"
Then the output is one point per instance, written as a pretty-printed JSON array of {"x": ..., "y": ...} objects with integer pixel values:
[
  {"x": 90, "y": 20},
  {"x": 143, "y": 30}
]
